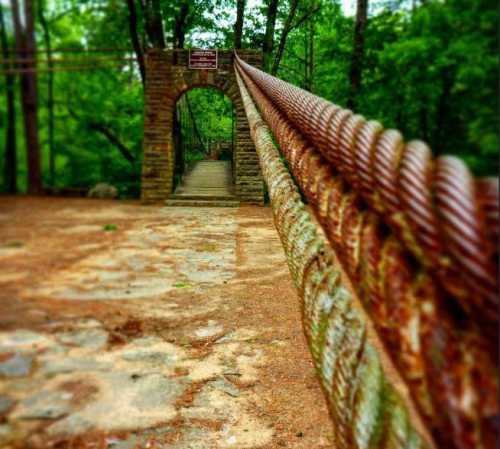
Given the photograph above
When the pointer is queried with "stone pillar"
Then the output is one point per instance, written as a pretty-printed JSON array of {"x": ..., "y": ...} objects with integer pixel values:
[{"x": 158, "y": 159}]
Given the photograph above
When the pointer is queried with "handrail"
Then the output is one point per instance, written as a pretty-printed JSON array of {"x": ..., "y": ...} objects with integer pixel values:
[
  {"x": 417, "y": 239},
  {"x": 435, "y": 206}
]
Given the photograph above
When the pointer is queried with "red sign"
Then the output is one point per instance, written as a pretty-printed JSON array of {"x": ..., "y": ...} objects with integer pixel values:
[{"x": 202, "y": 59}]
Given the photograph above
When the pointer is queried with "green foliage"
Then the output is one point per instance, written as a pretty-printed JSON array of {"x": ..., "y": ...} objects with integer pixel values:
[
  {"x": 213, "y": 111},
  {"x": 182, "y": 285},
  {"x": 13, "y": 244},
  {"x": 94, "y": 91},
  {"x": 109, "y": 227},
  {"x": 206, "y": 117},
  {"x": 430, "y": 70}
]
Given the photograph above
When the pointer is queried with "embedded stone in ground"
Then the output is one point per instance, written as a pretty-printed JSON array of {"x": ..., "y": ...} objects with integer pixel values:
[
  {"x": 44, "y": 405},
  {"x": 89, "y": 338},
  {"x": 68, "y": 365},
  {"x": 147, "y": 356},
  {"x": 15, "y": 364},
  {"x": 210, "y": 330},
  {"x": 125, "y": 401}
]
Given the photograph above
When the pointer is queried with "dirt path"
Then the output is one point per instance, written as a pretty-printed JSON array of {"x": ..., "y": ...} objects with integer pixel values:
[{"x": 124, "y": 326}]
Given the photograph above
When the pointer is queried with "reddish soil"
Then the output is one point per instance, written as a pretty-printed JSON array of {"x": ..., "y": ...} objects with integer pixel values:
[{"x": 212, "y": 284}]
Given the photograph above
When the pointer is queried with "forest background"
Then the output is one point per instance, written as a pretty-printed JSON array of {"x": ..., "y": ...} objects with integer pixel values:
[{"x": 71, "y": 119}]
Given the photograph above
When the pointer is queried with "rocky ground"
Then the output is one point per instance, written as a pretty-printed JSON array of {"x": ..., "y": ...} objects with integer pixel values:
[{"x": 124, "y": 326}]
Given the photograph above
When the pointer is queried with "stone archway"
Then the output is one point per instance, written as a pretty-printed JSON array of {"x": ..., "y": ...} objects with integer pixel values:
[{"x": 168, "y": 77}]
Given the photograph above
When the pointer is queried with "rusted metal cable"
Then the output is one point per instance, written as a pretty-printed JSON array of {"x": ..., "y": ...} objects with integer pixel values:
[
  {"x": 433, "y": 206},
  {"x": 368, "y": 403},
  {"x": 447, "y": 362}
]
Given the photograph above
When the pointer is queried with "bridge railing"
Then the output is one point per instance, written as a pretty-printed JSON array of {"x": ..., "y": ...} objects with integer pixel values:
[{"x": 396, "y": 259}]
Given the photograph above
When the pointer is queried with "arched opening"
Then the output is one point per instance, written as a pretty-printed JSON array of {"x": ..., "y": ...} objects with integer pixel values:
[
  {"x": 204, "y": 132},
  {"x": 169, "y": 77}
]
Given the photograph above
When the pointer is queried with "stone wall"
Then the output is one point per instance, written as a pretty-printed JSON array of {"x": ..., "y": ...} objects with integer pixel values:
[{"x": 168, "y": 77}]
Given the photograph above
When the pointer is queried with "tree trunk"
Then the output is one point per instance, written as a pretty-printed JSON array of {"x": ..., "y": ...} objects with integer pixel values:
[
  {"x": 309, "y": 57},
  {"x": 443, "y": 114},
  {"x": 25, "y": 45},
  {"x": 306, "y": 59},
  {"x": 238, "y": 26},
  {"x": 10, "y": 168},
  {"x": 180, "y": 25},
  {"x": 357, "y": 52},
  {"x": 154, "y": 23},
  {"x": 134, "y": 37},
  {"x": 284, "y": 35},
  {"x": 196, "y": 131},
  {"x": 268, "y": 44},
  {"x": 50, "y": 90}
]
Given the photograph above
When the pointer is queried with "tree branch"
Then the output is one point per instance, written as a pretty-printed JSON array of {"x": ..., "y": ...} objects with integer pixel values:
[
  {"x": 113, "y": 139},
  {"x": 305, "y": 17},
  {"x": 134, "y": 36},
  {"x": 284, "y": 35},
  {"x": 107, "y": 132},
  {"x": 154, "y": 23}
]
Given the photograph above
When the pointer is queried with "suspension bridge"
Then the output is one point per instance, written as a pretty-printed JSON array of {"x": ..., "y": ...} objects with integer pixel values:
[{"x": 393, "y": 255}]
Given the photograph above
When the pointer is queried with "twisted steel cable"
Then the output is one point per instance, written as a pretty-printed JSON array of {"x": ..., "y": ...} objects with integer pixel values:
[
  {"x": 368, "y": 410},
  {"x": 433, "y": 206},
  {"x": 408, "y": 310}
]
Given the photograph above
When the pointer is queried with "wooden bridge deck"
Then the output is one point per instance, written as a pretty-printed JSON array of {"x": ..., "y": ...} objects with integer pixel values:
[{"x": 208, "y": 183}]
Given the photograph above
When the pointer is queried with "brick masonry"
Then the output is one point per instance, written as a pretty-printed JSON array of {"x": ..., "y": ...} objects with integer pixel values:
[{"x": 167, "y": 78}]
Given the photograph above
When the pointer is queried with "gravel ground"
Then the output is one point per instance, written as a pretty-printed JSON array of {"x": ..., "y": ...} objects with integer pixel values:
[{"x": 124, "y": 326}]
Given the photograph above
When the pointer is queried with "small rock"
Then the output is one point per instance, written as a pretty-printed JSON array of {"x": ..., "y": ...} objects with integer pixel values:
[
  {"x": 92, "y": 338},
  {"x": 103, "y": 190},
  {"x": 23, "y": 339},
  {"x": 16, "y": 365},
  {"x": 227, "y": 338},
  {"x": 300, "y": 434},
  {"x": 68, "y": 365},
  {"x": 212, "y": 328},
  {"x": 44, "y": 405},
  {"x": 87, "y": 323},
  {"x": 152, "y": 357}
]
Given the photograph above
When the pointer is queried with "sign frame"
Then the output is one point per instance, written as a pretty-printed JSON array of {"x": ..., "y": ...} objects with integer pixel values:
[{"x": 207, "y": 67}]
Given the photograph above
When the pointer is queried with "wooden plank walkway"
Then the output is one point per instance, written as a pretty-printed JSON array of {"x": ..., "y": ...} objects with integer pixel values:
[{"x": 208, "y": 183}]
